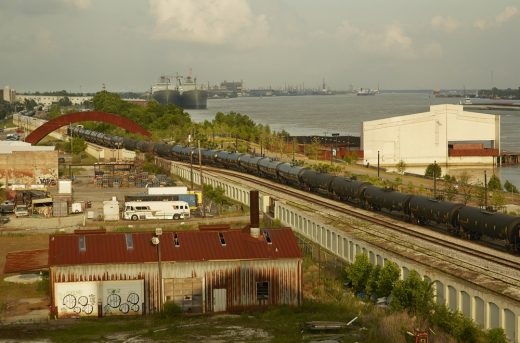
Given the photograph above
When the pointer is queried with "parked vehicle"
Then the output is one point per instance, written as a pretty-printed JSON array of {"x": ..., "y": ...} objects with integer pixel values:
[
  {"x": 7, "y": 207},
  {"x": 142, "y": 210},
  {"x": 21, "y": 211}
]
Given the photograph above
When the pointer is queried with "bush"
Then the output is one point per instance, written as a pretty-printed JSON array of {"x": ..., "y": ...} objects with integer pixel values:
[
  {"x": 494, "y": 183},
  {"x": 508, "y": 186},
  {"x": 359, "y": 272},
  {"x": 171, "y": 309},
  {"x": 496, "y": 335},
  {"x": 432, "y": 169}
]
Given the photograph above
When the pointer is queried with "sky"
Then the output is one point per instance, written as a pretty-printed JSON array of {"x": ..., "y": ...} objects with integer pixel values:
[{"x": 79, "y": 45}]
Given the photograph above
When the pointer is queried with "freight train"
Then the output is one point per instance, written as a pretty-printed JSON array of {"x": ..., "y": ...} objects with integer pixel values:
[{"x": 465, "y": 221}]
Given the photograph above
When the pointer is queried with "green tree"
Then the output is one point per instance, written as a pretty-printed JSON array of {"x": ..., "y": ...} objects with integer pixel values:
[
  {"x": 494, "y": 183},
  {"x": 359, "y": 272},
  {"x": 496, "y": 335},
  {"x": 465, "y": 187},
  {"x": 498, "y": 199},
  {"x": 313, "y": 148},
  {"x": 373, "y": 280},
  {"x": 401, "y": 167},
  {"x": 387, "y": 279},
  {"x": 433, "y": 169},
  {"x": 413, "y": 295},
  {"x": 508, "y": 186},
  {"x": 64, "y": 102},
  {"x": 216, "y": 196}
]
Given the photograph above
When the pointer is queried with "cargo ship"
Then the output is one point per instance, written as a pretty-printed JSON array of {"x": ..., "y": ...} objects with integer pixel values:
[{"x": 182, "y": 93}]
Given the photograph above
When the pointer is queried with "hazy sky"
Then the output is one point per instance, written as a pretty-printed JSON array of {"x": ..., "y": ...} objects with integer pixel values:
[{"x": 78, "y": 45}]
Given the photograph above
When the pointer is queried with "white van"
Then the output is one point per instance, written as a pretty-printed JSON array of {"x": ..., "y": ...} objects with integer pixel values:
[{"x": 142, "y": 210}]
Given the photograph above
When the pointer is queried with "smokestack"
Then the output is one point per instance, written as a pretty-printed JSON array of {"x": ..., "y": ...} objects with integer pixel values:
[{"x": 254, "y": 214}]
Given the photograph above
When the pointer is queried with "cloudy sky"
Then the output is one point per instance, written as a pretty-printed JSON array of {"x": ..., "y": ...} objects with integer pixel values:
[{"x": 78, "y": 45}]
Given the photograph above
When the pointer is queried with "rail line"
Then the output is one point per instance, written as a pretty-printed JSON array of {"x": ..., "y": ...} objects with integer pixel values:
[{"x": 386, "y": 223}]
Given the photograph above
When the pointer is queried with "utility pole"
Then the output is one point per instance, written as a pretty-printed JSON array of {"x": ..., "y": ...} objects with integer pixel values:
[
  {"x": 201, "y": 180},
  {"x": 434, "y": 180},
  {"x": 485, "y": 190},
  {"x": 378, "y": 164},
  {"x": 191, "y": 161}
]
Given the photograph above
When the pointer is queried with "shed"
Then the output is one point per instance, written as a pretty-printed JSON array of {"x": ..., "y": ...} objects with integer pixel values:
[{"x": 201, "y": 271}]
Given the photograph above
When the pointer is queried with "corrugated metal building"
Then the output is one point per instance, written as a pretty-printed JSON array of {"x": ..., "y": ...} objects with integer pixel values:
[
  {"x": 93, "y": 273},
  {"x": 446, "y": 134}
]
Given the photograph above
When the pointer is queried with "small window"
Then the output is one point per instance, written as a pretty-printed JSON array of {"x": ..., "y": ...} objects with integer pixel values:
[
  {"x": 267, "y": 237},
  {"x": 222, "y": 239},
  {"x": 262, "y": 290},
  {"x": 129, "y": 241},
  {"x": 82, "y": 243}
]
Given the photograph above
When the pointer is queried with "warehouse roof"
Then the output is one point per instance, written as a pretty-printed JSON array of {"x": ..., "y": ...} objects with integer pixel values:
[{"x": 137, "y": 247}]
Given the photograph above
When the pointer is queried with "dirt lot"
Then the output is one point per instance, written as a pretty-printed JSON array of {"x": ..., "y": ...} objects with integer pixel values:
[{"x": 29, "y": 302}]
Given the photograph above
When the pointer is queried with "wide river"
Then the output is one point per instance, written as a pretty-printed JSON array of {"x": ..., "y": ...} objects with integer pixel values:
[{"x": 344, "y": 114}]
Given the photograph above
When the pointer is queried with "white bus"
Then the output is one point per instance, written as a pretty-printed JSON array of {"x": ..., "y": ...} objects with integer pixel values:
[{"x": 142, "y": 210}]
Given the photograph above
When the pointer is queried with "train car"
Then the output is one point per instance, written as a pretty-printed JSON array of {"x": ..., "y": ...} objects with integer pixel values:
[
  {"x": 145, "y": 146},
  {"x": 249, "y": 163},
  {"x": 269, "y": 167},
  {"x": 129, "y": 143},
  {"x": 228, "y": 159},
  {"x": 290, "y": 174},
  {"x": 382, "y": 198},
  {"x": 315, "y": 181},
  {"x": 348, "y": 189},
  {"x": 176, "y": 152},
  {"x": 163, "y": 150},
  {"x": 424, "y": 210},
  {"x": 475, "y": 223},
  {"x": 209, "y": 156}
]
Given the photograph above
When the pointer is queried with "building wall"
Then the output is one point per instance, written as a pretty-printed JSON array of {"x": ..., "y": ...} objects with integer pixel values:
[
  {"x": 26, "y": 167},
  {"x": 48, "y": 100},
  {"x": 422, "y": 138},
  {"x": 237, "y": 278}
]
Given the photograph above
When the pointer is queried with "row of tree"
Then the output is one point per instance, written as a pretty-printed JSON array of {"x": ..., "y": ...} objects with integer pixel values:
[{"x": 414, "y": 295}]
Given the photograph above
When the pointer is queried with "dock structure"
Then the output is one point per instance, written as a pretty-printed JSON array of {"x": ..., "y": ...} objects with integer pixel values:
[{"x": 509, "y": 158}]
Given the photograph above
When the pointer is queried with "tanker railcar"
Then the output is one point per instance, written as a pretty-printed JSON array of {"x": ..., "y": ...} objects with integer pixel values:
[
  {"x": 379, "y": 199},
  {"x": 348, "y": 189},
  {"x": 470, "y": 222},
  {"x": 290, "y": 174},
  {"x": 269, "y": 168},
  {"x": 424, "y": 210},
  {"x": 476, "y": 223},
  {"x": 315, "y": 181}
]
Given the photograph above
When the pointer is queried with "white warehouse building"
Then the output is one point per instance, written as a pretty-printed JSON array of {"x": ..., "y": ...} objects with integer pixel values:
[{"x": 446, "y": 134}]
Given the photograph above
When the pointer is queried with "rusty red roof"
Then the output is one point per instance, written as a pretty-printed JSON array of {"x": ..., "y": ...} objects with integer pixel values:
[
  {"x": 137, "y": 247},
  {"x": 26, "y": 261}
]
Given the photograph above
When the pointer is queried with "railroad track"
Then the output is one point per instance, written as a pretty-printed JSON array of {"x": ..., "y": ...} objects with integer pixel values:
[{"x": 506, "y": 278}]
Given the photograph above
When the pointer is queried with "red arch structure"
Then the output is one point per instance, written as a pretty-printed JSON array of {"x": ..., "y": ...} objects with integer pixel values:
[{"x": 67, "y": 119}]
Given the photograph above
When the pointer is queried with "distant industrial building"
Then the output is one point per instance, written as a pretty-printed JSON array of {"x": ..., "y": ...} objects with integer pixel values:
[
  {"x": 48, "y": 100},
  {"x": 212, "y": 270},
  {"x": 9, "y": 94},
  {"x": 446, "y": 134}
]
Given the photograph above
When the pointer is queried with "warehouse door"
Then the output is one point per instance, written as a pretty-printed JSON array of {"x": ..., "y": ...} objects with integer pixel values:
[
  {"x": 219, "y": 300},
  {"x": 185, "y": 292}
]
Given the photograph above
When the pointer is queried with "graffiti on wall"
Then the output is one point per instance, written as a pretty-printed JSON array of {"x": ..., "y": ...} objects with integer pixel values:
[
  {"x": 78, "y": 303},
  {"x": 117, "y": 302}
]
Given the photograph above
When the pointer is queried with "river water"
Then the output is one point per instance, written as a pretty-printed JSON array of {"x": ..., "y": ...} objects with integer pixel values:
[{"x": 344, "y": 114}]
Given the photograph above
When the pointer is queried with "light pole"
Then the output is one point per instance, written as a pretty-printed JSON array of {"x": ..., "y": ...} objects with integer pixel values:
[
  {"x": 378, "y": 164},
  {"x": 157, "y": 242},
  {"x": 201, "y": 181},
  {"x": 485, "y": 190},
  {"x": 434, "y": 180}
]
